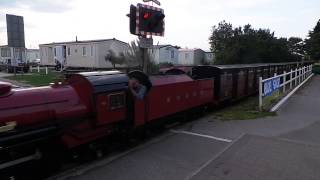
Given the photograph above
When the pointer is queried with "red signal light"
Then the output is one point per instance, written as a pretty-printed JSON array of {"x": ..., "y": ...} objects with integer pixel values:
[
  {"x": 146, "y": 15},
  {"x": 150, "y": 20}
]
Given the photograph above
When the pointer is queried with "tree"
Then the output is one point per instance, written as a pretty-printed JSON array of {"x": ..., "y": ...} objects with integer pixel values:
[
  {"x": 220, "y": 36},
  {"x": 313, "y": 42},
  {"x": 248, "y": 45},
  {"x": 115, "y": 59},
  {"x": 203, "y": 61},
  {"x": 297, "y": 47},
  {"x": 134, "y": 55}
]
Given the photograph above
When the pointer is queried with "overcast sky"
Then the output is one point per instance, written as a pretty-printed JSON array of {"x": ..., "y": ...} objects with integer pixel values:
[{"x": 188, "y": 22}]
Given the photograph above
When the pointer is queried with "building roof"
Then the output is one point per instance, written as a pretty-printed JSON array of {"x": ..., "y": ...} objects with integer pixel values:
[
  {"x": 85, "y": 41},
  {"x": 6, "y": 46},
  {"x": 194, "y": 49},
  {"x": 163, "y": 46}
]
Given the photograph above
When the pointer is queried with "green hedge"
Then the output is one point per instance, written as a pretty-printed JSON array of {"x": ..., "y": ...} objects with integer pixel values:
[{"x": 316, "y": 69}]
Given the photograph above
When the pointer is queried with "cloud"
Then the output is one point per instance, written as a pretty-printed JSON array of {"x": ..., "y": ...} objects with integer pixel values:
[
  {"x": 2, "y": 18},
  {"x": 47, "y": 6},
  {"x": 3, "y": 35},
  {"x": 3, "y": 28},
  {"x": 188, "y": 22}
]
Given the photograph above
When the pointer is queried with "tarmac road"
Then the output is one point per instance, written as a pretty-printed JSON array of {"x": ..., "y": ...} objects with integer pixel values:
[
  {"x": 212, "y": 149},
  {"x": 298, "y": 112}
]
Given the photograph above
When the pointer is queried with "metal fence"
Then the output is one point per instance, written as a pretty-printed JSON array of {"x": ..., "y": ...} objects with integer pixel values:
[
  {"x": 284, "y": 83},
  {"x": 39, "y": 68}
]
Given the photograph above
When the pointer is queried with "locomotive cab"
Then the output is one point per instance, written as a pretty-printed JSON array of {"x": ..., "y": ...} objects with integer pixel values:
[
  {"x": 103, "y": 92},
  {"x": 137, "y": 108},
  {"x": 108, "y": 97},
  {"x": 142, "y": 78}
]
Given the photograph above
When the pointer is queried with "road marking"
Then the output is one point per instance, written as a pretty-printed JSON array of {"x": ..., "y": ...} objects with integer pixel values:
[
  {"x": 201, "y": 135},
  {"x": 197, "y": 171}
]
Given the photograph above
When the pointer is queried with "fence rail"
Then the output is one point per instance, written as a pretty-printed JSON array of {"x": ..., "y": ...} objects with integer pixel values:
[
  {"x": 38, "y": 68},
  {"x": 285, "y": 82}
]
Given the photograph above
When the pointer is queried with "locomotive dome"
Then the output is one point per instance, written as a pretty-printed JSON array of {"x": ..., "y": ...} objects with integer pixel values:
[{"x": 5, "y": 88}]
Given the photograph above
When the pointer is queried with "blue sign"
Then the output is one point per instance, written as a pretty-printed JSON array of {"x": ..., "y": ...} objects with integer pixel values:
[
  {"x": 270, "y": 86},
  {"x": 276, "y": 83}
]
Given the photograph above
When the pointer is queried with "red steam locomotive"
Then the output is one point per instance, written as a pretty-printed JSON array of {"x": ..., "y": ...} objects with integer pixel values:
[{"x": 35, "y": 122}]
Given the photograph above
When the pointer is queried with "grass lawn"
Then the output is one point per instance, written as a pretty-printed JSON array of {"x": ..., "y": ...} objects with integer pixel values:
[
  {"x": 36, "y": 79},
  {"x": 244, "y": 110}
]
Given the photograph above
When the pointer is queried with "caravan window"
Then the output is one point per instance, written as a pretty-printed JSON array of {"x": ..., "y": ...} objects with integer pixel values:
[{"x": 84, "y": 51}]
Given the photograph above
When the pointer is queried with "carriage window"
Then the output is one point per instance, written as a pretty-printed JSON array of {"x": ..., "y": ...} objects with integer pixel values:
[{"x": 116, "y": 101}]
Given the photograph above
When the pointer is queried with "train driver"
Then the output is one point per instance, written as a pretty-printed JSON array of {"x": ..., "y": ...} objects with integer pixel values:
[{"x": 137, "y": 89}]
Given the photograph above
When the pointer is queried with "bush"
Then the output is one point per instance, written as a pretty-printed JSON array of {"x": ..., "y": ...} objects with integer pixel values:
[{"x": 316, "y": 69}]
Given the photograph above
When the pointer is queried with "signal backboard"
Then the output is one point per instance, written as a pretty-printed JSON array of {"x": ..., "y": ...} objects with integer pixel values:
[{"x": 15, "y": 31}]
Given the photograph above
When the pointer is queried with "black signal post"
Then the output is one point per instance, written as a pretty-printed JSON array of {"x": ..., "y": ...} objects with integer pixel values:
[
  {"x": 133, "y": 19},
  {"x": 146, "y": 21}
]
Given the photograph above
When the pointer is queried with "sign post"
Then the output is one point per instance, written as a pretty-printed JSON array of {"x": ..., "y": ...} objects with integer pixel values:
[
  {"x": 267, "y": 88},
  {"x": 146, "y": 42}
]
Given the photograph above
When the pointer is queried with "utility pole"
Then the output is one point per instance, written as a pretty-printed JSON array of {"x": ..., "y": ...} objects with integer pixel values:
[
  {"x": 145, "y": 60},
  {"x": 145, "y": 44},
  {"x": 144, "y": 53}
]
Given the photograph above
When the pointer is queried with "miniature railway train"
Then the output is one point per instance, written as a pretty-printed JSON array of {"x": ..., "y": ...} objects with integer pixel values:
[{"x": 37, "y": 123}]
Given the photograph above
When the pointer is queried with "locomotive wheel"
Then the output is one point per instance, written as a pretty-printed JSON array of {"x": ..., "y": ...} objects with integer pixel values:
[
  {"x": 50, "y": 160},
  {"x": 46, "y": 162}
]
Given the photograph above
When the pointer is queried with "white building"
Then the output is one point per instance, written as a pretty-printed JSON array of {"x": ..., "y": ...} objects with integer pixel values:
[
  {"x": 12, "y": 56},
  {"x": 81, "y": 54},
  {"x": 46, "y": 55},
  {"x": 191, "y": 56},
  {"x": 59, "y": 54},
  {"x": 33, "y": 55},
  {"x": 165, "y": 54}
]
